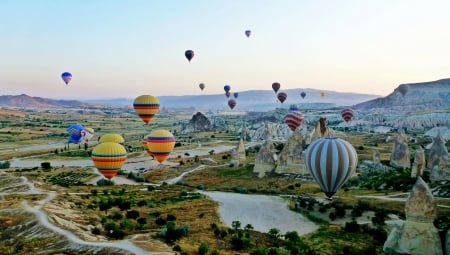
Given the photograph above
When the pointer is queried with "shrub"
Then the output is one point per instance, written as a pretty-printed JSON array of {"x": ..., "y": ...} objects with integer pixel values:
[
  {"x": 170, "y": 217},
  {"x": 46, "y": 165},
  {"x": 351, "y": 226},
  {"x": 203, "y": 248}
]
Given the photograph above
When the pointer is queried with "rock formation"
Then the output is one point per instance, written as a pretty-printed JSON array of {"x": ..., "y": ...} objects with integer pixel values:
[
  {"x": 238, "y": 154},
  {"x": 417, "y": 235},
  {"x": 376, "y": 159},
  {"x": 266, "y": 159},
  {"x": 438, "y": 154},
  {"x": 419, "y": 163},
  {"x": 400, "y": 152},
  {"x": 199, "y": 122},
  {"x": 291, "y": 156},
  {"x": 321, "y": 129}
]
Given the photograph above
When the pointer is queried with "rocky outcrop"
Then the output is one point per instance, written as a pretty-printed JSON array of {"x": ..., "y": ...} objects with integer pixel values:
[
  {"x": 419, "y": 163},
  {"x": 321, "y": 129},
  {"x": 199, "y": 122},
  {"x": 238, "y": 154},
  {"x": 376, "y": 159},
  {"x": 291, "y": 156},
  {"x": 266, "y": 159},
  {"x": 417, "y": 235},
  {"x": 438, "y": 154},
  {"x": 400, "y": 152}
]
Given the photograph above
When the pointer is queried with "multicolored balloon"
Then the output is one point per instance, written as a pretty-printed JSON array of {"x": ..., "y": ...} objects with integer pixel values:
[
  {"x": 112, "y": 138},
  {"x": 144, "y": 143},
  {"x": 303, "y": 94},
  {"x": 248, "y": 33},
  {"x": 189, "y": 54},
  {"x": 293, "y": 119},
  {"x": 282, "y": 97},
  {"x": 347, "y": 114},
  {"x": 331, "y": 161},
  {"x": 87, "y": 134},
  {"x": 201, "y": 86},
  {"x": 74, "y": 131},
  {"x": 146, "y": 106},
  {"x": 231, "y": 103},
  {"x": 67, "y": 77},
  {"x": 108, "y": 158},
  {"x": 276, "y": 86},
  {"x": 160, "y": 143}
]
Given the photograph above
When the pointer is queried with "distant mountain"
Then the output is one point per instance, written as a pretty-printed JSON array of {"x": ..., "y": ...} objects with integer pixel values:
[
  {"x": 420, "y": 97},
  {"x": 256, "y": 100},
  {"x": 25, "y": 101}
]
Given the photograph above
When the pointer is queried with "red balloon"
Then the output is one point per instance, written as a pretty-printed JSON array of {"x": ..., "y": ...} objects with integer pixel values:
[
  {"x": 282, "y": 97},
  {"x": 293, "y": 120},
  {"x": 347, "y": 114},
  {"x": 231, "y": 103}
]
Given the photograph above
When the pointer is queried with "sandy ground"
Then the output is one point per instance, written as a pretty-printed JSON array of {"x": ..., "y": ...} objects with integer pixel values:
[{"x": 261, "y": 211}]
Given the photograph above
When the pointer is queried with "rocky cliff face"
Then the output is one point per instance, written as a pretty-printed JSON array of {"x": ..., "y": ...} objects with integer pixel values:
[{"x": 199, "y": 122}]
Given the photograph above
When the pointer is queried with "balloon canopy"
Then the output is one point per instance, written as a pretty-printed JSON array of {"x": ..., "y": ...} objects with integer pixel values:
[
  {"x": 67, "y": 77},
  {"x": 108, "y": 158},
  {"x": 347, "y": 114},
  {"x": 235, "y": 94},
  {"x": 112, "y": 137},
  {"x": 276, "y": 86},
  {"x": 227, "y": 88},
  {"x": 293, "y": 119},
  {"x": 231, "y": 103},
  {"x": 322, "y": 93},
  {"x": 160, "y": 143},
  {"x": 146, "y": 106},
  {"x": 189, "y": 54},
  {"x": 282, "y": 97},
  {"x": 87, "y": 134},
  {"x": 74, "y": 131},
  {"x": 303, "y": 94},
  {"x": 403, "y": 89},
  {"x": 201, "y": 86},
  {"x": 248, "y": 33},
  {"x": 331, "y": 161}
]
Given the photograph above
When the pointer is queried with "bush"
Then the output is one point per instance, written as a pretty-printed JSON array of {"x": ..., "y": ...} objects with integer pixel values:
[
  {"x": 201, "y": 187},
  {"x": 351, "y": 226},
  {"x": 171, "y": 217},
  {"x": 203, "y": 248},
  {"x": 46, "y": 165}
]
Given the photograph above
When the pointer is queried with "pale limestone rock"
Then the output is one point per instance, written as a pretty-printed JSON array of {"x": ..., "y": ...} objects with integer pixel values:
[
  {"x": 321, "y": 129},
  {"x": 438, "y": 154},
  {"x": 291, "y": 157},
  {"x": 241, "y": 150},
  {"x": 376, "y": 158},
  {"x": 417, "y": 235},
  {"x": 400, "y": 152},
  {"x": 266, "y": 158},
  {"x": 419, "y": 163}
]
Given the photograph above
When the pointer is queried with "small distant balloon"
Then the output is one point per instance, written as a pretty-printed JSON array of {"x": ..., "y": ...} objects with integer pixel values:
[
  {"x": 146, "y": 106},
  {"x": 74, "y": 131},
  {"x": 231, "y": 103},
  {"x": 67, "y": 77},
  {"x": 293, "y": 107},
  {"x": 282, "y": 97},
  {"x": 226, "y": 88},
  {"x": 303, "y": 94},
  {"x": 228, "y": 94},
  {"x": 403, "y": 89},
  {"x": 248, "y": 33},
  {"x": 347, "y": 114},
  {"x": 235, "y": 94},
  {"x": 276, "y": 86},
  {"x": 201, "y": 86},
  {"x": 160, "y": 143},
  {"x": 189, "y": 54},
  {"x": 293, "y": 119},
  {"x": 322, "y": 93}
]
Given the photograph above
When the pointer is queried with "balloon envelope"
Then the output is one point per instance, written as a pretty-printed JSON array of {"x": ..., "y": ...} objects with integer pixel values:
[
  {"x": 228, "y": 94},
  {"x": 67, "y": 77},
  {"x": 226, "y": 88},
  {"x": 189, "y": 54},
  {"x": 87, "y": 134},
  {"x": 201, "y": 86},
  {"x": 235, "y": 94},
  {"x": 403, "y": 89},
  {"x": 293, "y": 119},
  {"x": 276, "y": 86},
  {"x": 347, "y": 114},
  {"x": 248, "y": 33},
  {"x": 322, "y": 93},
  {"x": 112, "y": 137},
  {"x": 108, "y": 158},
  {"x": 74, "y": 131},
  {"x": 160, "y": 143},
  {"x": 331, "y": 161},
  {"x": 231, "y": 103},
  {"x": 282, "y": 96},
  {"x": 303, "y": 94},
  {"x": 146, "y": 106}
]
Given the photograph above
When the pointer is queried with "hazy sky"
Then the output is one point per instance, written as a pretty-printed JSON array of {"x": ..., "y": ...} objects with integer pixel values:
[{"x": 125, "y": 48}]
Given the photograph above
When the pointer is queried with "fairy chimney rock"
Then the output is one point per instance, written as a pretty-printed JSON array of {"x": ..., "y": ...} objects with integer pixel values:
[
  {"x": 420, "y": 205},
  {"x": 419, "y": 163},
  {"x": 291, "y": 156},
  {"x": 438, "y": 153},
  {"x": 400, "y": 152},
  {"x": 266, "y": 159}
]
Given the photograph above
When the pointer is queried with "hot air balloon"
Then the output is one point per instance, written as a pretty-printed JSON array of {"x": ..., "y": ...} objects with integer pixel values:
[
  {"x": 146, "y": 106},
  {"x": 293, "y": 119},
  {"x": 282, "y": 96},
  {"x": 160, "y": 143},
  {"x": 113, "y": 138},
  {"x": 276, "y": 86},
  {"x": 235, "y": 94},
  {"x": 303, "y": 94},
  {"x": 87, "y": 134},
  {"x": 403, "y": 89},
  {"x": 109, "y": 157},
  {"x": 293, "y": 107},
  {"x": 202, "y": 86},
  {"x": 331, "y": 161},
  {"x": 231, "y": 103},
  {"x": 248, "y": 33},
  {"x": 226, "y": 88},
  {"x": 189, "y": 54},
  {"x": 67, "y": 77},
  {"x": 322, "y": 93},
  {"x": 228, "y": 94},
  {"x": 74, "y": 131},
  {"x": 347, "y": 114}
]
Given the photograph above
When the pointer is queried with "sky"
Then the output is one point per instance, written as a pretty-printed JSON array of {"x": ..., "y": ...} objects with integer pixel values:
[{"x": 126, "y": 48}]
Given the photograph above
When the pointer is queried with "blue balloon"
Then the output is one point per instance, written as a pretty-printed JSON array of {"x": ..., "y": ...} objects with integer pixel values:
[
  {"x": 67, "y": 77},
  {"x": 235, "y": 94},
  {"x": 75, "y": 134},
  {"x": 226, "y": 88}
]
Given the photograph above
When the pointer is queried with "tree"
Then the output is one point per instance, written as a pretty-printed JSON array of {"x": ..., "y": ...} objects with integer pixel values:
[
  {"x": 274, "y": 234},
  {"x": 203, "y": 248},
  {"x": 236, "y": 224},
  {"x": 248, "y": 227}
]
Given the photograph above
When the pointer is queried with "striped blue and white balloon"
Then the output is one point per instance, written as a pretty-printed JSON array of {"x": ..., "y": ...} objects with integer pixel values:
[{"x": 331, "y": 161}]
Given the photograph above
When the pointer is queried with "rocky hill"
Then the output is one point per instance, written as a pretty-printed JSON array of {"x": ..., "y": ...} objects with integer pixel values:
[
  {"x": 25, "y": 101},
  {"x": 419, "y": 97},
  {"x": 199, "y": 122}
]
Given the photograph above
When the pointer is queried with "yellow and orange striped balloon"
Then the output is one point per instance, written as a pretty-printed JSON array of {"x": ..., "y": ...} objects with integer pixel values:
[
  {"x": 109, "y": 157},
  {"x": 160, "y": 143},
  {"x": 112, "y": 137},
  {"x": 146, "y": 106}
]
